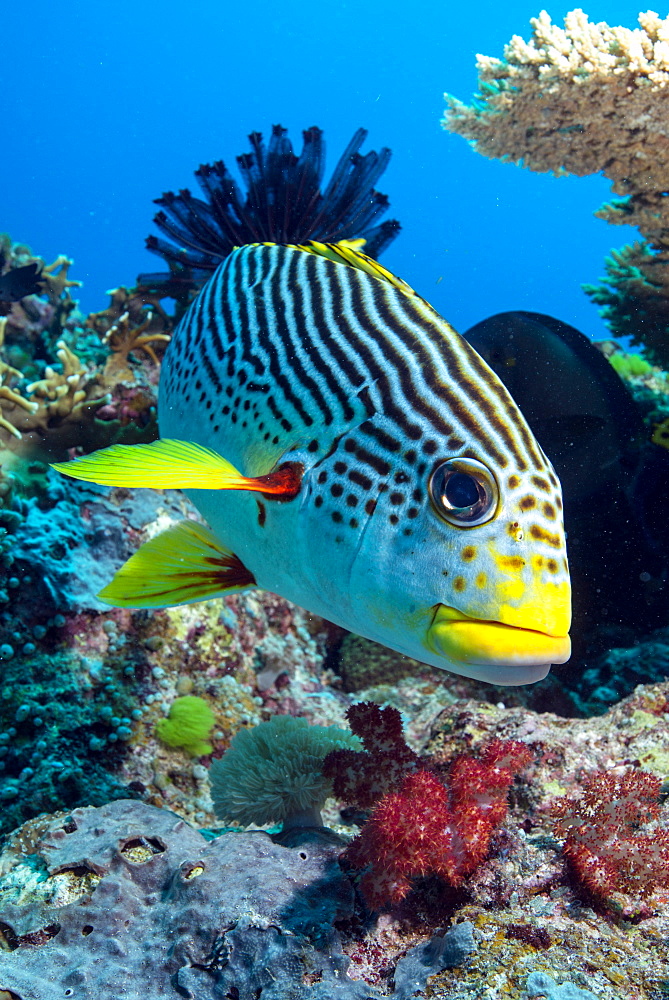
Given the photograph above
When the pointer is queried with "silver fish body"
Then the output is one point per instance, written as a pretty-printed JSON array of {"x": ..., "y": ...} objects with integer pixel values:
[{"x": 396, "y": 424}]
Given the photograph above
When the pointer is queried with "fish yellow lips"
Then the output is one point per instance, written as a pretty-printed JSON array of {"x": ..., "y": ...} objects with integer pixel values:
[{"x": 462, "y": 639}]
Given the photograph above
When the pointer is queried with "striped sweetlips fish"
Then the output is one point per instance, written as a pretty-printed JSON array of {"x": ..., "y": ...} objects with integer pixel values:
[{"x": 351, "y": 452}]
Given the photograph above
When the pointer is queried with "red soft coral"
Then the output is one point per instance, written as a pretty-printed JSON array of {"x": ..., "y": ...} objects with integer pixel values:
[
  {"x": 419, "y": 826},
  {"x": 361, "y": 777},
  {"x": 603, "y": 845}
]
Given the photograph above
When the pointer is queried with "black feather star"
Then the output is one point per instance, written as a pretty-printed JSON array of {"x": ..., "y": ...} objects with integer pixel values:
[{"x": 282, "y": 203}]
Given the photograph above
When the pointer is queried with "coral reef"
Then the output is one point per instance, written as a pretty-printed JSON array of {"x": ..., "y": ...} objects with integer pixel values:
[
  {"x": 363, "y": 663},
  {"x": 87, "y": 392},
  {"x": 237, "y": 917},
  {"x": 522, "y": 921},
  {"x": 616, "y": 862},
  {"x": 580, "y": 100},
  {"x": 419, "y": 825}
]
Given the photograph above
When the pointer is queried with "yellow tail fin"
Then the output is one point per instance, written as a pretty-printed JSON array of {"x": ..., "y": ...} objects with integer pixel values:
[{"x": 182, "y": 565}]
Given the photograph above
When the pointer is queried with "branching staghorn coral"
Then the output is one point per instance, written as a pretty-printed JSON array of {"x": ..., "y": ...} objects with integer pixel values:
[{"x": 579, "y": 100}]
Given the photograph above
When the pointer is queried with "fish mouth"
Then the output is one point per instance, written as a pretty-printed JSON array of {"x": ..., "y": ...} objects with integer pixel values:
[{"x": 523, "y": 655}]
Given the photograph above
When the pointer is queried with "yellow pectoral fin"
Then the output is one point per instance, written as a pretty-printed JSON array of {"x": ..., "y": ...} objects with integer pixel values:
[
  {"x": 170, "y": 464},
  {"x": 183, "y": 565}
]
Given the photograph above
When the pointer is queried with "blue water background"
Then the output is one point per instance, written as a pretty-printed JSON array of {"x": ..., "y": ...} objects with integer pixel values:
[{"x": 106, "y": 105}]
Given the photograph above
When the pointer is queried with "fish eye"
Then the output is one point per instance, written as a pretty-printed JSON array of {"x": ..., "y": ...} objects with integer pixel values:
[{"x": 464, "y": 492}]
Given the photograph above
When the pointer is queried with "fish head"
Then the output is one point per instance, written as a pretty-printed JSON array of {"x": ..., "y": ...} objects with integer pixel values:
[{"x": 464, "y": 567}]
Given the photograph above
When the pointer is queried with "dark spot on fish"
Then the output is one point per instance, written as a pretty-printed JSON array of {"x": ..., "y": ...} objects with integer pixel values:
[
  {"x": 420, "y": 469},
  {"x": 444, "y": 572},
  {"x": 198, "y": 384},
  {"x": 349, "y": 444},
  {"x": 229, "y": 390},
  {"x": 336, "y": 516},
  {"x": 312, "y": 446},
  {"x": 382, "y": 487},
  {"x": 208, "y": 404},
  {"x": 318, "y": 502},
  {"x": 401, "y": 477},
  {"x": 549, "y": 511},
  {"x": 541, "y": 483},
  {"x": 468, "y": 553},
  {"x": 410, "y": 456},
  {"x": 459, "y": 584},
  {"x": 407, "y": 531},
  {"x": 275, "y": 440},
  {"x": 266, "y": 436},
  {"x": 353, "y": 522},
  {"x": 244, "y": 423},
  {"x": 558, "y": 503},
  {"x": 360, "y": 479},
  {"x": 394, "y": 519},
  {"x": 541, "y": 535},
  {"x": 552, "y": 566},
  {"x": 396, "y": 498},
  {"x": 552, "y": 479},
  {"x": 340, "y": 468},
  {"x": 322, "y": 476},
  {"x": 527, "y": 503},
  {"x": 216, "y": 428},
  {"x": 370, "y": 506},
  {"x": 203, "y": 396},
  {"x": 412, "y": 512},
  {"x": 336, "y": 490},
  {"x": 225, "y": 411},
  {"x": 262, "y": 513},
  {"x": 429, "y": 447},
  {"x": 417, "y": 495},
  {"x": 233, "y": 417},
  {"x": 352, "y": 500},
  {"x": 455, "y": 443},
  {"x": 241, "y": 376},
  {"x": 247, "y": 404}
]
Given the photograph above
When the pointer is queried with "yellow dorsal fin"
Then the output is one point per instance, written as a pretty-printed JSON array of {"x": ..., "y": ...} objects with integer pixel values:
[
  {"x": 170, "y": 464},
  {"x": 182, "y": 565},
  {"x": 347, "y": 252}
]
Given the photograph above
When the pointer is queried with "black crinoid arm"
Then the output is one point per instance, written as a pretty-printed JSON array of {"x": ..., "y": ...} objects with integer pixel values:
[{"x": 280, "y": 201}]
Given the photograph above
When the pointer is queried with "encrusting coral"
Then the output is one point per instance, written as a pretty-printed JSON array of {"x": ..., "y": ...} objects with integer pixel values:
[{"x": 579, "y": 100}]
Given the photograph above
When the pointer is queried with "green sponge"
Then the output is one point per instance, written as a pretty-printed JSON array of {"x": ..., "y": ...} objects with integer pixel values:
[{"x": 188, "y": 725}]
